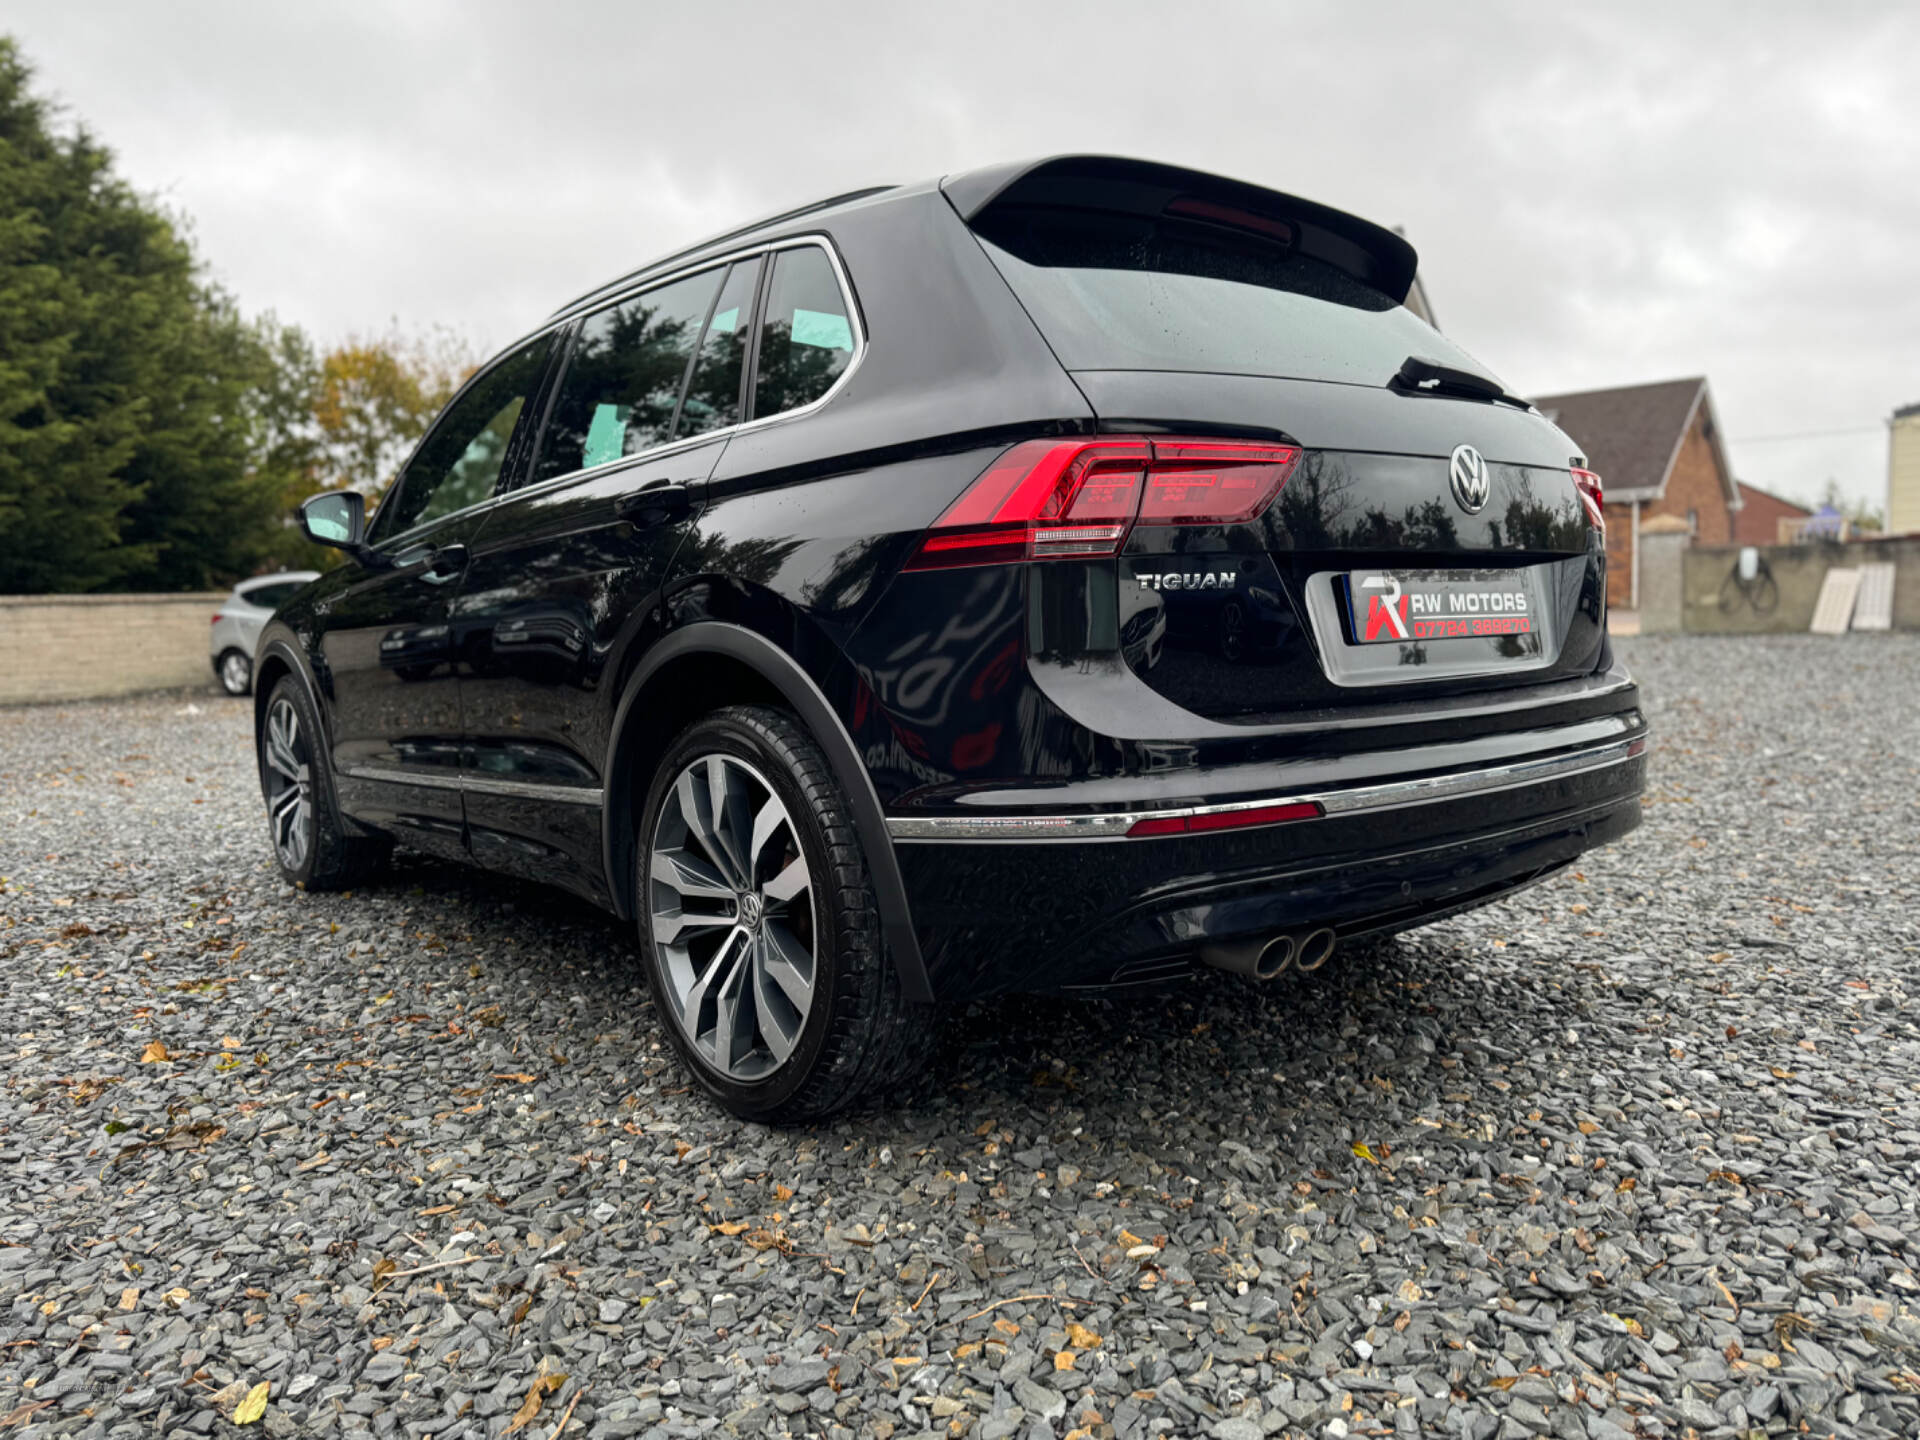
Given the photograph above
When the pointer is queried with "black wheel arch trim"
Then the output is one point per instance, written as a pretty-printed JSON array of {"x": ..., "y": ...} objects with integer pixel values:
[{"x": 735, "y": 642}]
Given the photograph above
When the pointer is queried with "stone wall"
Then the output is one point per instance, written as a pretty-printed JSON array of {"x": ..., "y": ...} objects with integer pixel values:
[
  {"x": 81, "y": 647},
  {"x": 1798, "y": 571}
]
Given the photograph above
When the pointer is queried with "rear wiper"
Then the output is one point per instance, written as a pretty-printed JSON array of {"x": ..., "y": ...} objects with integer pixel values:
[{"x": 1430, "y": 377}]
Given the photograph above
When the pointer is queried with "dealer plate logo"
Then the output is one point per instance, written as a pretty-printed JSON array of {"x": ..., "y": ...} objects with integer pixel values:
[{"x": 1472, "y": 483}]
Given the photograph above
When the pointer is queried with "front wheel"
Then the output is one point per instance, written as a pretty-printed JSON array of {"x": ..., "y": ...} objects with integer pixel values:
[
  {"x": 310, "y": 839},
  {"x": 759, "y": 926}
]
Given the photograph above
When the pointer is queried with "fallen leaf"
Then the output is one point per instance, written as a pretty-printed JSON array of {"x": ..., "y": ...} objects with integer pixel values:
[
  {"x": 249, "y": 1410},
  {"x": 522, "y": 1076},
  {"x": 155, "y": 1053},
  {"x": 19, "y": 1413},
  {"x": 729, "y": 1227},
  {"x": 1082, "y": 1338},
  {"x": 1504, "y": 1382},
  {"x": 1063, "y": 1360},
  {"x": 381, "y": 1343},
  {"x": 1365, "y": 1152},
  {"x": 543, "y": 1386},
  {"x": 179, "y": 1295},
  {"x": 230, "y": 1042},
  {"x": 1006, "y": 1326},
  {"x": 782, "y": 1194}
]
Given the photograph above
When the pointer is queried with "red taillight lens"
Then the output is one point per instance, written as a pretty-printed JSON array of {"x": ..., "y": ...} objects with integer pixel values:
[
  {"x": 1588, "y": 484},
  {"x": 1058, "y": 499},
  {"x": 217, "y": 618},
  {"x": 1225, "y": 819}
]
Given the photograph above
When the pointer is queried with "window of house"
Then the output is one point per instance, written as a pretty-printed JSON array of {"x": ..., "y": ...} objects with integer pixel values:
[
  {"x": 459, "y": 462},
  {"x": 623, "y": 380},
  {"x": 806, "y": 337}
]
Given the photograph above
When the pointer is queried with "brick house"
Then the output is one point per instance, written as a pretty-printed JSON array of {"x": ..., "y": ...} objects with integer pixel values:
[
  {"x": 1657, "y": 451},
  {"x": 1762, "y": 515}
]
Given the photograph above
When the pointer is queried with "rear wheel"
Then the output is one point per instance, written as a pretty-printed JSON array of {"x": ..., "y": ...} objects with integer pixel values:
[
  {"x": 236, "y": 673},
  {"x": 310, "y": 839},
  {"x": 759, "y": 926}
]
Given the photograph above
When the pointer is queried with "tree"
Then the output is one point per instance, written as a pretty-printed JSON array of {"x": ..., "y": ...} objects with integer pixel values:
[
  {"x": 374, "y": 398},
  {"x": 137, "y": 447}
]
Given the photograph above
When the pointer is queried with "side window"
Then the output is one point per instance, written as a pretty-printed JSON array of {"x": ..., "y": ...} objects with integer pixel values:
[
  {"x": 806, "y": 337},
  {"x": 623, "y": 381},
  {"x": 713, "y": 395},
  {"x": 459, "y": 464}
]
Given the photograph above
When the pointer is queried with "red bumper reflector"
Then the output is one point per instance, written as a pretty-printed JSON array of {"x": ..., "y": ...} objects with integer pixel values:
[{"x": 1225, "y": 819}]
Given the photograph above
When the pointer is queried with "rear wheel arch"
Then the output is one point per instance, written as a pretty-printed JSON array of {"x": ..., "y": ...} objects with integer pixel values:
[{"x": 703, "y": 667}]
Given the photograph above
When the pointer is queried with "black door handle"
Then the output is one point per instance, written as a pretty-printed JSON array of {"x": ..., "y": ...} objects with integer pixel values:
[
  {"x": 655, "y": 503},
  {"x": 446, "y": 564}
]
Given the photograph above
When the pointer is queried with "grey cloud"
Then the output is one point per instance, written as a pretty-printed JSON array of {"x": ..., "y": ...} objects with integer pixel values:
[{"x": 1602, "y": 195}]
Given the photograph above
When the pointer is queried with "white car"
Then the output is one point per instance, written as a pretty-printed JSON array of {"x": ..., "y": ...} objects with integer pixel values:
[{"x": 239, "y": 620}]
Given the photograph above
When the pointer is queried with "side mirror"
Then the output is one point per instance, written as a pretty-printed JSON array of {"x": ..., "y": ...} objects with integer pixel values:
[{"x": 337, "y": 519}]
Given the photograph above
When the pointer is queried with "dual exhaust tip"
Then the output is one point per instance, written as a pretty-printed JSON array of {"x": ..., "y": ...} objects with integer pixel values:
[{"x": 1269, "y": 958}]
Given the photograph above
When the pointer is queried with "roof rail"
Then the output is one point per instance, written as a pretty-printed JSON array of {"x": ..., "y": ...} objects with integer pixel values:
[{"x": 712, "y": 240}]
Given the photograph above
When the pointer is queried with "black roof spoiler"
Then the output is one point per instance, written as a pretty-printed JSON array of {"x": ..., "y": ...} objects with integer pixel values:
[{"x": 1370, "y": 253}]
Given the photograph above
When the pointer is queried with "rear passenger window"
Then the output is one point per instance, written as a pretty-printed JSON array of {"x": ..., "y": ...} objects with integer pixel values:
[
  {"x": 806, "y": 339},
  {"x": 713, "y": 396},
  {"x": 623, "y": 380}
]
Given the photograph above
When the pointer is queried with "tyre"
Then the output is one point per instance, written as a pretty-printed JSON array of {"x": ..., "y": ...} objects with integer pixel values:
[
  {"x": 309, "y": 838},
  {"x": 759, "y": 928},
  {"x": 236, "y": 672}
]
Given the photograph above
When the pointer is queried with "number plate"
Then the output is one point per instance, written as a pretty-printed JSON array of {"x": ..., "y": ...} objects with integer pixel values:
[{"x": 1389, "y": 607}]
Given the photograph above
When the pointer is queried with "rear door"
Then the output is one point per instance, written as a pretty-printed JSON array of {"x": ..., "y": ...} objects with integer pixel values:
[
  {"x": 1185, "y": 310},
  {"x": 386, "y": 642},
  {"x": 565, "y": 576}
]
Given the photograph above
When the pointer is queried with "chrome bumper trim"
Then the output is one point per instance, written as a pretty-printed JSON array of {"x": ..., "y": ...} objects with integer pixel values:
[
  {"x": 1353, "y": 800},
  {"x": 480, "y": 785}
]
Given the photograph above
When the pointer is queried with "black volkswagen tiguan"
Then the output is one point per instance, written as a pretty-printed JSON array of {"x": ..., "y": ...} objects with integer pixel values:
[{"x": 1055, "y": 577}]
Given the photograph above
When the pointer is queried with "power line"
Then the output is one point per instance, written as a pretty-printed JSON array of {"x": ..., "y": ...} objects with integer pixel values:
[{"x": 1805, "y": 435}]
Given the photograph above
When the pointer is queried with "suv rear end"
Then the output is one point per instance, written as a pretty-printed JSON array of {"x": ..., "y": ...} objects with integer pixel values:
[{"x": 1304, "y": 629}]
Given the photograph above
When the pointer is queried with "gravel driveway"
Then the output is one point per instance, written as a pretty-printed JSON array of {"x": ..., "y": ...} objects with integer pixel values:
[{"x": 1635, "y": 1152}]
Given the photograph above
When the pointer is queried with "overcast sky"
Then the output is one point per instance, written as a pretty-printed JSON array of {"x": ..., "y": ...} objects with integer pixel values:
[{"x": 1601, "y": 195}]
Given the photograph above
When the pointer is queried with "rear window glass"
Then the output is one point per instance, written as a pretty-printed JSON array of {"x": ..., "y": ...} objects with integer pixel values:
[
  {"x": 1131, "y": 292},
  {"x": 271, "y": 597},
  {"x": 806, "y": 339},
  {"x": 623, "y": 379}
]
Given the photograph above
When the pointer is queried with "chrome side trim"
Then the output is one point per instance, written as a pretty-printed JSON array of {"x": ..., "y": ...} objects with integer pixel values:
[
  {"x": 481, "y": 785},
  {"x": 1352, "y": 800}
]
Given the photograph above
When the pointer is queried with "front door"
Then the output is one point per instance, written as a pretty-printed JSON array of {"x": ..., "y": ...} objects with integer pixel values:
[
  {"x": 386, "y": 646},
  {"x": 565, "y": 577}
]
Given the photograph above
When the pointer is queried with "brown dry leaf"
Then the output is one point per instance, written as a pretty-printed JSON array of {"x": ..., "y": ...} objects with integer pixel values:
[
  {"x": 520, "y": 1310},
  {"x": 154, "y": 1054},
  {"x": 729, "y": 1227},
  {"x": 1006, "y": 1326},
  {"x": 1081, "y": 1338},
  {"x": 1063, "y": 1360},
  {"x": 22, "y": 1412},
  {"x": 383, "y": 1268},
  {"x": 179, "y": 1295},
  {"x": 1587, "y": 1127},
  {"x": 1504, "y": 1382},
  {"x": 543, "y": 1386},
  {"x": 1627, "y": 1184},
  {"x": 129, "y": 1299},
  {"x": 782, "y": 1194},
  {"x": 382, "y": 1342},
  {"x": 522, "y": 1076},
  {"x": 230, "y": 1042},
  {"x": 971, "y": 1347},
  {"x": 1780, "y": 1074},
  {"x": 1128, "y": 1239}
]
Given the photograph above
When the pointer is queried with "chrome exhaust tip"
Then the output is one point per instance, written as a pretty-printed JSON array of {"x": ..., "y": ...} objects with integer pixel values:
[
  {"x": 1315, "y": 948},
  {"x": 1252, "y": 959}
]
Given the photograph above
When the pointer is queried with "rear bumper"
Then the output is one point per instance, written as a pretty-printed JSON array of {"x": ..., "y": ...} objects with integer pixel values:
[{"x": 1046, "y": 899}]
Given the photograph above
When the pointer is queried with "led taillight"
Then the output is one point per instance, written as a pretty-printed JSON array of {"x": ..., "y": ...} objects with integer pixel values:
[
  {"x": 1225, "y": 819},
  {"x": 1060, "y": 499},
  {"x": 1593, "y": 495}
]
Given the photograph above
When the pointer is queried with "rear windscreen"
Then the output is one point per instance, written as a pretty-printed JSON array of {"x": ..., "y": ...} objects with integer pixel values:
[{"x": 1131, "y": 292}]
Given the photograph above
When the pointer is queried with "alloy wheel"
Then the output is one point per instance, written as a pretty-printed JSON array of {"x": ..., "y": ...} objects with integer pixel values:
[
  {"x": 289, "y": 777},
  {"x": 235, "y": 671},
  {"x": 732, "y": 908}
]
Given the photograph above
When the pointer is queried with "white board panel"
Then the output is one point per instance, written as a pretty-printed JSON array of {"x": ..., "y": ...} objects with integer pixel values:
[
  {"x": 1874, "y": 609},
  {"x": 1834, "y": 608}
]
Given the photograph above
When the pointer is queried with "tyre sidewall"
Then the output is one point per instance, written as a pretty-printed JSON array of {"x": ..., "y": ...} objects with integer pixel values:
[{"x": 728, "y": 735}]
